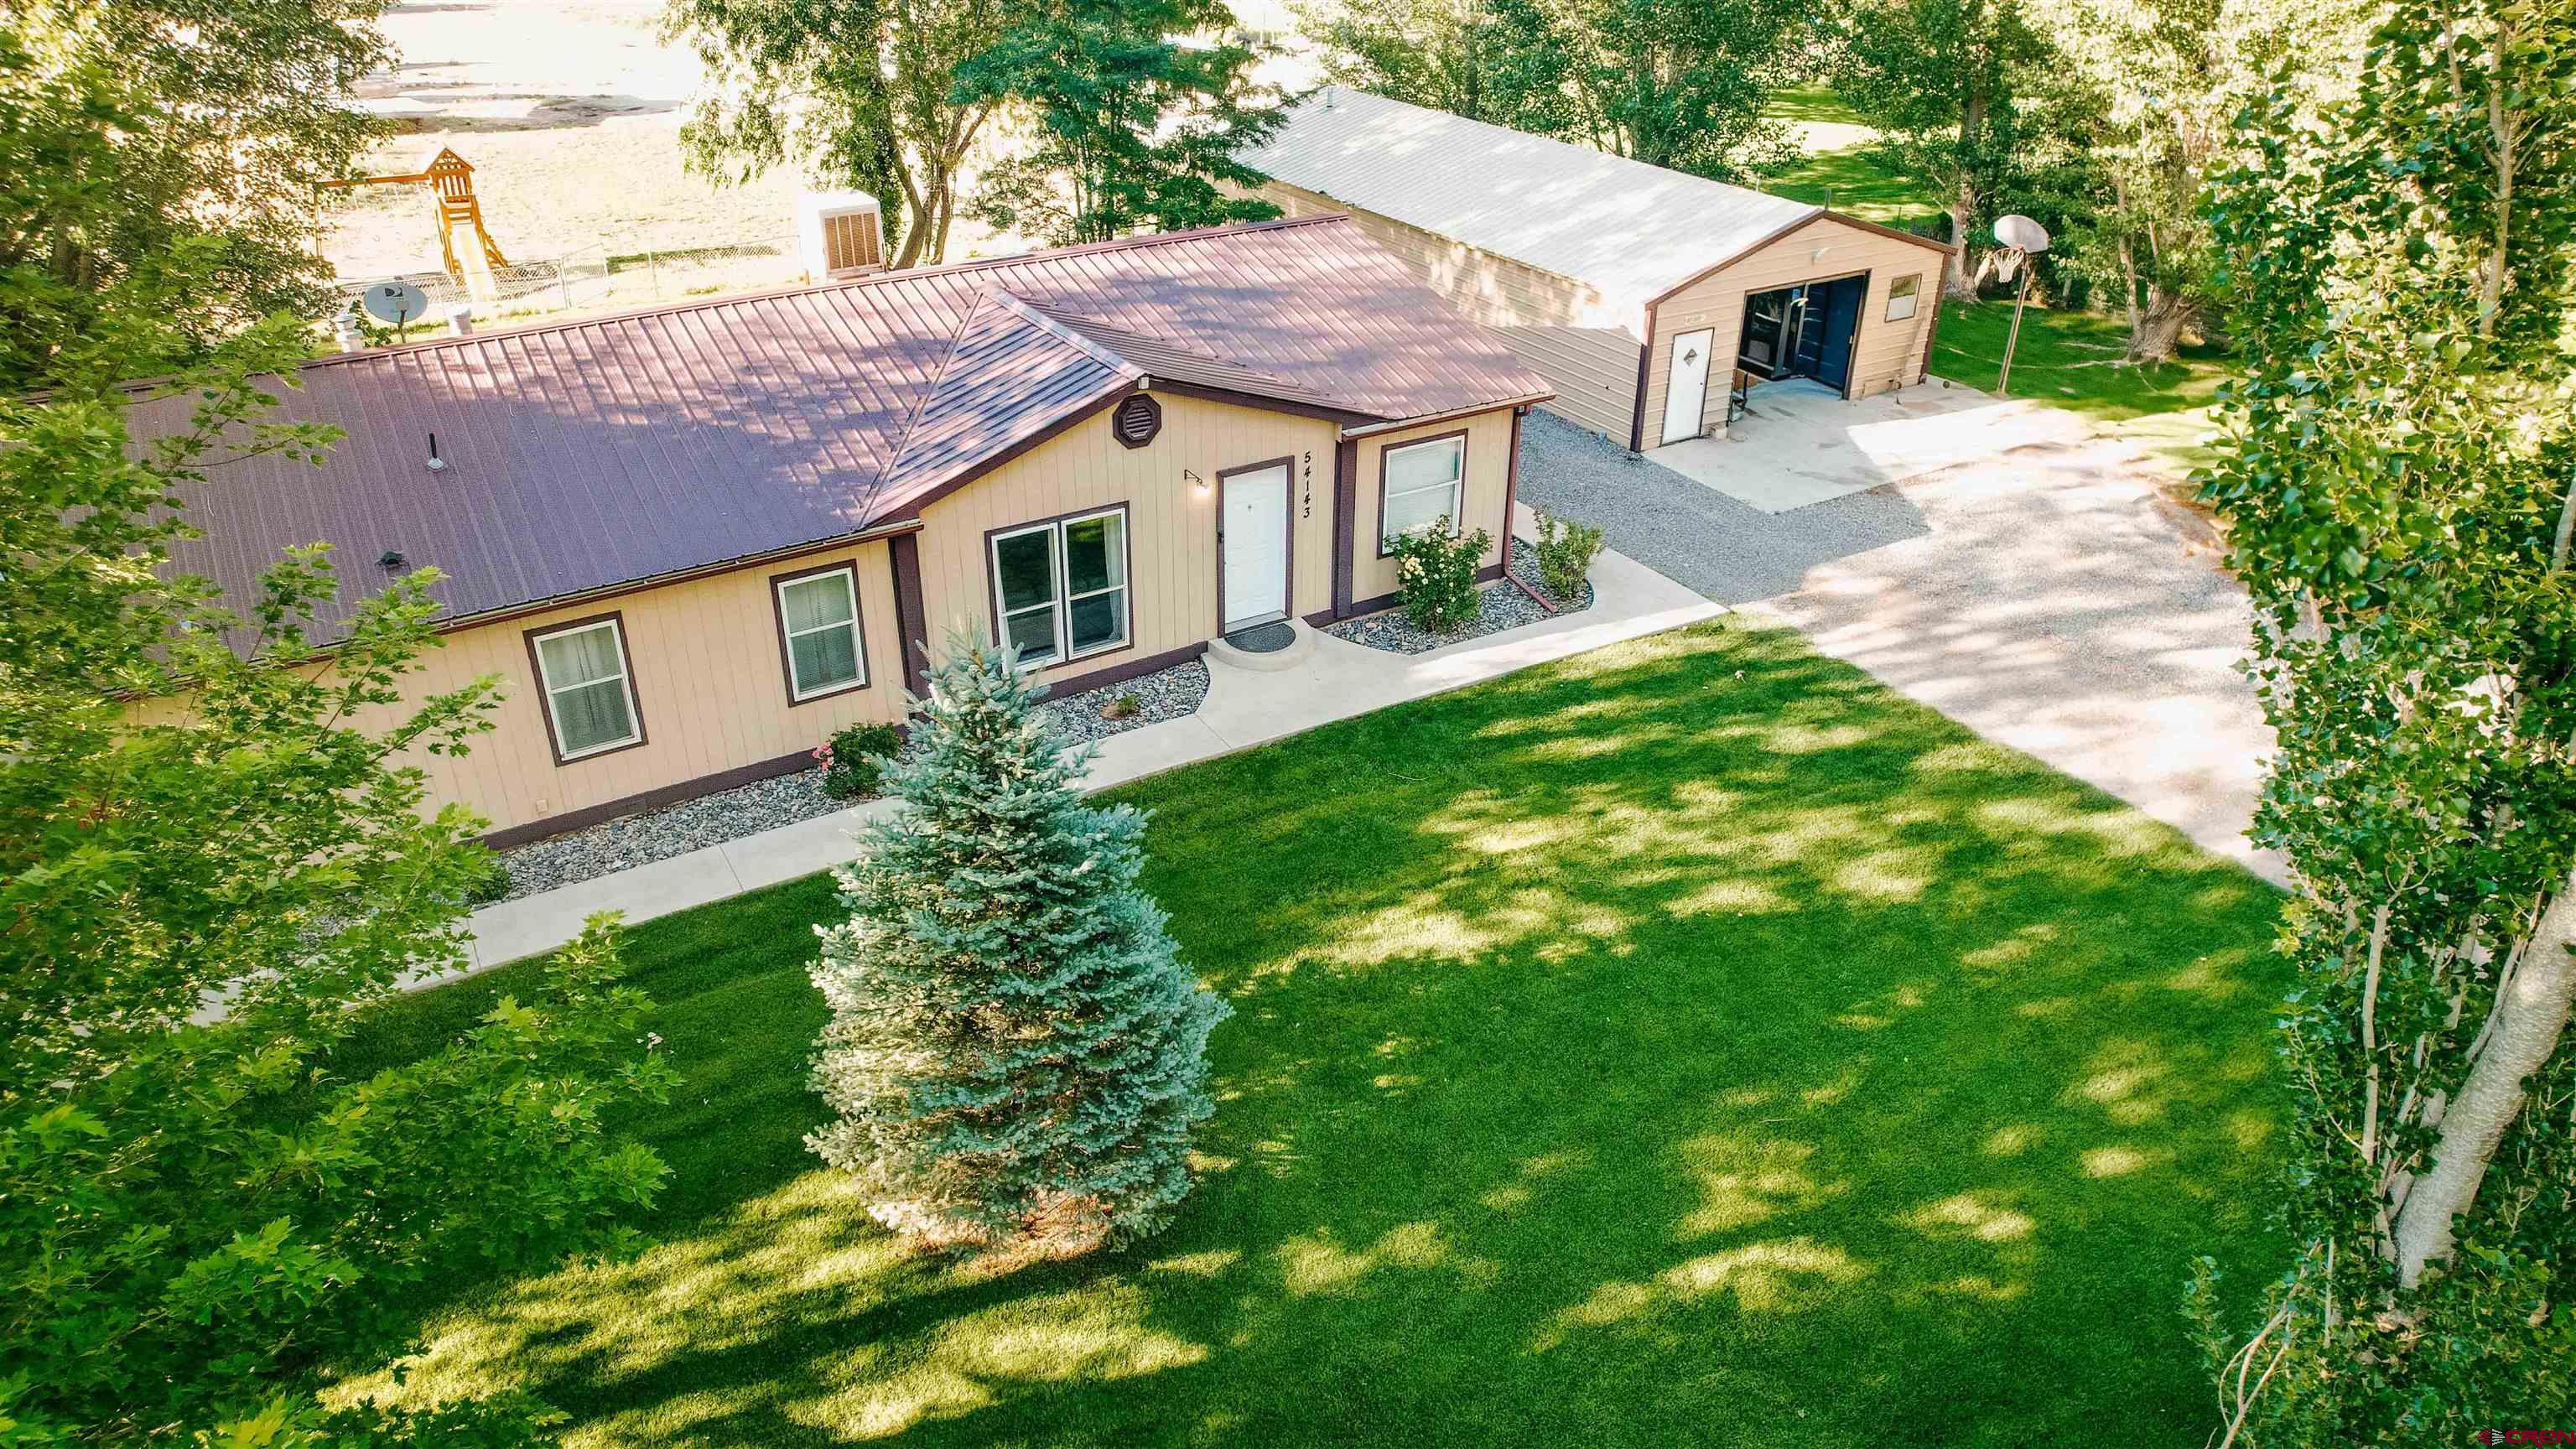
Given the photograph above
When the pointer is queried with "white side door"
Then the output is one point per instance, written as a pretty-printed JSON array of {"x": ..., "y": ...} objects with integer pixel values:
[
  {"x": 1253, "y": 544},
  {"x": 1686, "y": 395}
]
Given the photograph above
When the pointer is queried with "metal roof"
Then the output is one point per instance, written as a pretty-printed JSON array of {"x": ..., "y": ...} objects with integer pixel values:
[
  {"x": 586, "y": 454},
  {"x": 1630, "y": 230}
]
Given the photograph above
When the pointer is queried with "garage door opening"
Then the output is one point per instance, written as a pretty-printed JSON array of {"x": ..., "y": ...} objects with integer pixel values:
[{"x": 1809, "y": 330}]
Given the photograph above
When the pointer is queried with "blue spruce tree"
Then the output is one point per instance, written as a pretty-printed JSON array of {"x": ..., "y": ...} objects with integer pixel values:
[{"x": 1015, "y": 1047}]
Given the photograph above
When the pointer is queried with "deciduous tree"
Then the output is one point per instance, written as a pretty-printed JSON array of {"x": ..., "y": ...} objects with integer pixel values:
[
  {"x": 1134, "y": 110},
  {"x": 853, "y": 92},
  {"x": 197, "y": 1216},
  {"x": 2399, "y": 484}
]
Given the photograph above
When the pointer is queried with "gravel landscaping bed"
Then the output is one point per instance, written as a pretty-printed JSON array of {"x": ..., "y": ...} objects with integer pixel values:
[
  {"x": 653, "y": 835},
  {"x": 1499, "y": 606},
  {"x": 1164, "y": 694}
]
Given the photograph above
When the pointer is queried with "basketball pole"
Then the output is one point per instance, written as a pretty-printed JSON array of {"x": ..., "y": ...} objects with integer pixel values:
[{"x": 2003, "y": 383}]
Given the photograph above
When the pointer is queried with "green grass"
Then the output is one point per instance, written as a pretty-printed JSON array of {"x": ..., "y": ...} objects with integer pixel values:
[
  {"x": 1687, "y": 1043},
  {"x": 2071, "y": 359},
  {"x": 1809, "y": 103},
  {"x": 1855, "y": 182}
]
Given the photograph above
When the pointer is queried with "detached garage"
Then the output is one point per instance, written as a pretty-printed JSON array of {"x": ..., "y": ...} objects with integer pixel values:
[{"x": 1643, "y": 294}]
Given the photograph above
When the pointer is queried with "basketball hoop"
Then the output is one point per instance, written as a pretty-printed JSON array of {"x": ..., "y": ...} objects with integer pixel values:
[{"x": 2019, "y": 236}]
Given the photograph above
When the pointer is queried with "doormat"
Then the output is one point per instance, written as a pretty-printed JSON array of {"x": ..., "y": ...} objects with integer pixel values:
[{"x": 1263, "y": 638}]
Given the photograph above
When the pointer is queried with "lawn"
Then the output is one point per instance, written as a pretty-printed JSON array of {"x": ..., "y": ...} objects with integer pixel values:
[
  {"x": 2071, "y": 359},
  {"x": 1686, "y": 1043}
]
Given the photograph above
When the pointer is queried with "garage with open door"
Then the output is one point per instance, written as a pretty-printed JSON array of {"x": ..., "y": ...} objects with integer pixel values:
[{"x": 1654, "y": 300}]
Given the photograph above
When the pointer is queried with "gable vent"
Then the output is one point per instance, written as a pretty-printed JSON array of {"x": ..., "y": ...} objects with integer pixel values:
[{"x": 1137, "y": 420}]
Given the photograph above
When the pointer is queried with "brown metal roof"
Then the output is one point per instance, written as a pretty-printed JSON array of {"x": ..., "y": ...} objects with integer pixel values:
[{"x": 582, "y": 455}]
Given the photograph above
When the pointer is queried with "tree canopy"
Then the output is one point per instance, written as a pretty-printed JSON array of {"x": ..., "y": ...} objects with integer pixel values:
[{"x": 2398, "y": 478}]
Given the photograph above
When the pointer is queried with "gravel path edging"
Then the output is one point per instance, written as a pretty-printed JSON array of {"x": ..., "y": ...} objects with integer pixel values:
[
  {"x": 671, "y": 830},
  {"x": 1162, "y": 695}
]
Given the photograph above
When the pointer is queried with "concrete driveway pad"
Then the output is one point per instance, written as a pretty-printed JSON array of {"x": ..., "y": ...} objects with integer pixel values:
[{"x": 2049, "y": 596}]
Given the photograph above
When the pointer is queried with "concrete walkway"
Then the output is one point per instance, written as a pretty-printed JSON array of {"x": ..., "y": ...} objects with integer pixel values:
[{"x": 1331, "y": 680}]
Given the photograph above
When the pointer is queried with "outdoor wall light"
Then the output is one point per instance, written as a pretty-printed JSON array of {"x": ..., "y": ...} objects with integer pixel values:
[{"x": 1196, "y": 479}]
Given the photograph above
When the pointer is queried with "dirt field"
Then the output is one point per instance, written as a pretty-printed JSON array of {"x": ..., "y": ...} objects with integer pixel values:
[{"x": 570, "y": 112}]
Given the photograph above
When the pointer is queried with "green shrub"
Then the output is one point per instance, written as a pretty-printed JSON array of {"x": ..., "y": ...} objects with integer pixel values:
[
  {"x": 490, "y": 883},
  {"x": 1565, "y": 553},
  {"x": 1436, "y": 575},
  {"x": 854, "y": 760}
]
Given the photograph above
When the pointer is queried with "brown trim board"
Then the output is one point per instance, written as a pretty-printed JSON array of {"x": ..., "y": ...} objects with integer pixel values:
[
  {"x": 912, "y": 624},
  {"x": 1346, "y": 505},
  {"x": 848, "y": 568},
  {"x": 546, "y": 699},
  {"x": 1512, "y": 484}
]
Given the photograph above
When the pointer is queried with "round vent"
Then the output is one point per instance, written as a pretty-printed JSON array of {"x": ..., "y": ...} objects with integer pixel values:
[{"x": 1137, "y": 420}]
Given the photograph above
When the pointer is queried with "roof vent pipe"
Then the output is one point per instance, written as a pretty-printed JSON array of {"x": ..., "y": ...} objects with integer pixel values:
[
  {"x": 460, "y": 319},
  {"x": 352, "y": 337}
]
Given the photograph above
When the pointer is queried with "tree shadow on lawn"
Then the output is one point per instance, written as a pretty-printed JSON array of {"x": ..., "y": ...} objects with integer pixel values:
[{"x": 1691, "y": 1043}]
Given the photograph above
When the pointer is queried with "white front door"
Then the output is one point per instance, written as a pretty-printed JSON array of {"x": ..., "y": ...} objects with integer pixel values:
[
  {"x": 1252, "y": 542},
  {"x": 1686, "y": 394}
]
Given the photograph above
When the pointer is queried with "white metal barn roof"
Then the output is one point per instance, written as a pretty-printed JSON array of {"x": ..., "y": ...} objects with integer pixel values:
[{"x": 1631, "y": 230}]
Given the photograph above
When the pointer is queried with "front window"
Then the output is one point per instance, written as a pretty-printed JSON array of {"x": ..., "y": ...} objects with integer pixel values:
[
  {"x": 818, "y": 615},
  {"x": 1060, "y": 589},
  {"x": 589, "y": 698},
  {"x": 1423, "y": 482}
]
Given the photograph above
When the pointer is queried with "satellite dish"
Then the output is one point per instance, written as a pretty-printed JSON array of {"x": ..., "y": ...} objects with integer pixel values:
[
  {"x": 2021, "y": 233},
  {"x": 394, "y": 303}
]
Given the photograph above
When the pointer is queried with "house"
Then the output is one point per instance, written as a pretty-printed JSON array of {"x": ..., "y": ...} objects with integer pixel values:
[
  {"x": 1638, "y": 292},
  {"x": 695, "y": 541}
]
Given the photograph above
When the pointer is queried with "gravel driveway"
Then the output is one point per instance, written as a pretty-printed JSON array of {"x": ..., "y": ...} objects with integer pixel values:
[{"x": 2049, "y": 599}]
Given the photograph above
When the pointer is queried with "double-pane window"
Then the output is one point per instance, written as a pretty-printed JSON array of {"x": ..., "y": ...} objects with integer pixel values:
[
  {"x": 819, "y": 614},
  {"x": 1424, "y": 482},
  {"x": 1060, "y": 588},
  {"x": 588, "y": 695}
]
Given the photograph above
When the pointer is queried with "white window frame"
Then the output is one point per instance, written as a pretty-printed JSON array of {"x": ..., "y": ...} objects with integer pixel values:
[
  {"x": 1061, "y": 597},
  {"x": 1912, "y": 300},
  {"x": 1386, "y": 492},
  {"x": 797, "y": 693},
  {"x": 625, "y": 679}
]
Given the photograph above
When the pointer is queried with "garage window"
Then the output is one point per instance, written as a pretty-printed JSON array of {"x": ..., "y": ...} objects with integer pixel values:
[
  {"x": 1419, "y": 484},
  {"x": 1900, "y": 297}
]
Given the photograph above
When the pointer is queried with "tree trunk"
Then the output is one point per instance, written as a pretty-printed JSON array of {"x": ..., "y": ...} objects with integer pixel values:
[
  {"x": 1963, "y": 208},
  {"x": 2157, "y": 336},
  {"x": 2532, "y": 1014}
]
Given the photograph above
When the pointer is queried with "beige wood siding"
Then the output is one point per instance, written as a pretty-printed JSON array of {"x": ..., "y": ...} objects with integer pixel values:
[
  {"x": 709, "y": 683},
  {"x": 1890, "y": 353},
  {"x": 1172, "y": 544},
  {"x": 1489, "y": 460},
  {"x": 1564, "y": 329}
]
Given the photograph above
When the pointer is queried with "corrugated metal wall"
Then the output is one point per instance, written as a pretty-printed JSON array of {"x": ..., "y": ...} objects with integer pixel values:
[{"x": 1581, "y": 342}]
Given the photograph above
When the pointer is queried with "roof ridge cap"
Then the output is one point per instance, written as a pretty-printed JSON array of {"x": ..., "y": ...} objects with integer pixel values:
[{"x": 1028, "y": 312}]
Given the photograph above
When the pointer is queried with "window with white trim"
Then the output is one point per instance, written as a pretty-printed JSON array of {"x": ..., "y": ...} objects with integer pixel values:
[
  {"x": 818, "y": 615},
  {"x": 1900, "y": 297},
  {"x": 1425, "y": 482},
  {"x": 589, "y": 697},
  {"x": 1060, "y": 588}
]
